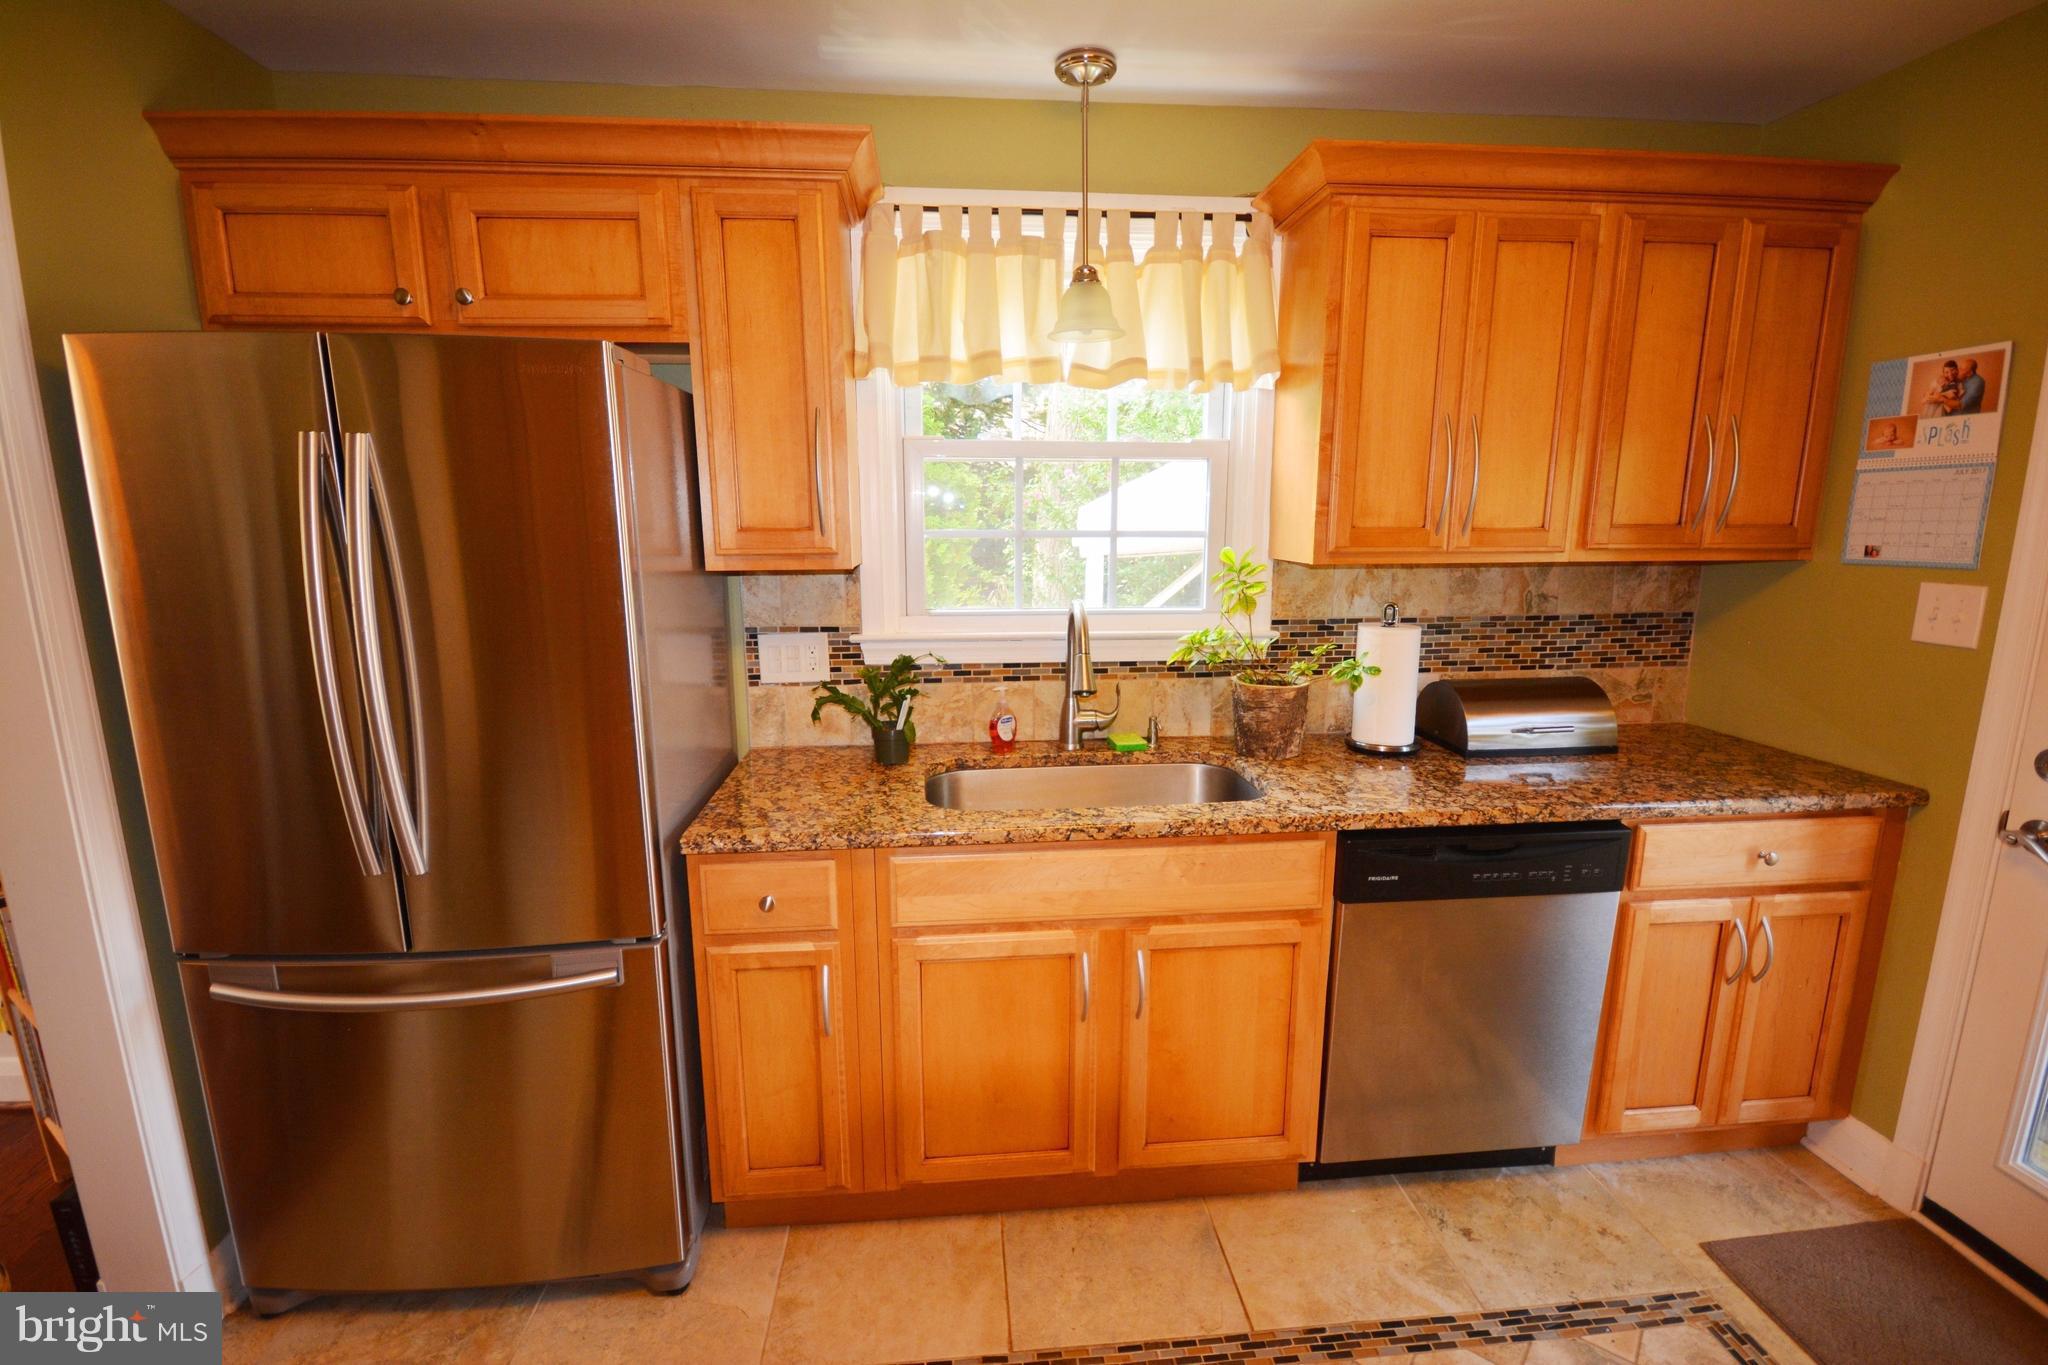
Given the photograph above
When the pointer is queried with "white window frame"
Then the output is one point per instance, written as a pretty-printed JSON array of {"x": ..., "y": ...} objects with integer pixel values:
[{"x": 892, "y": 619}]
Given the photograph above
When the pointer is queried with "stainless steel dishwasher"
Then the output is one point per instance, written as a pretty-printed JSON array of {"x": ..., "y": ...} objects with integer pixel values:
[{"x": 1466, "y": 984}]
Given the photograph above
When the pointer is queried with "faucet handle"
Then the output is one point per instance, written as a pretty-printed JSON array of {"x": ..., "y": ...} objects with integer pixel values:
[{"x": 1116, "y": 704}]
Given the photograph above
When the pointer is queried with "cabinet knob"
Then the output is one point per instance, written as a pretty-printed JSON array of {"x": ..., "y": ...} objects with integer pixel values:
[
  {"x": 464, "y": 297},
  {"x": 767, "y": 904},
  {"x": 401, "y": 296},
  {"x": 1769, "y": 857}
]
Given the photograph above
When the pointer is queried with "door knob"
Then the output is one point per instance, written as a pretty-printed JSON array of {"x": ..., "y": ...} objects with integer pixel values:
[
  {"x": 2031, "y": 836},
  {"x": 464, "y": 297}
]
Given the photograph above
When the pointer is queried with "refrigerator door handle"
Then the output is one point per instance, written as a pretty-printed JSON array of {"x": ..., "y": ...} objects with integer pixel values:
[
  {"x": 315, "y": 458},
  {"x": 341, "y": 1002},
  {"x": 369, "y": 505}
]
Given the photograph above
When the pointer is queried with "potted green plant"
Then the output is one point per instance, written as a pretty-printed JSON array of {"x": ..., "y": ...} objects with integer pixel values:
[
  {"x": 1268, "y": 689},
  {"x": 885, "y": 710}
]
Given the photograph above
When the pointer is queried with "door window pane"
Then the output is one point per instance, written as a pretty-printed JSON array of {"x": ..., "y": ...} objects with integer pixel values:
[{"x": 2034, "y": 1149}]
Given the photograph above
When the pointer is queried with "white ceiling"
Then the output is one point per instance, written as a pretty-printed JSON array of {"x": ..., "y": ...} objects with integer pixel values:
[{"x": 1741, "y": 60}]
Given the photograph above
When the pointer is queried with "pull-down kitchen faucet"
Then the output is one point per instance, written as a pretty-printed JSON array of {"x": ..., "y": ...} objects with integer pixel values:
[{"x": 1076, "y": 721}]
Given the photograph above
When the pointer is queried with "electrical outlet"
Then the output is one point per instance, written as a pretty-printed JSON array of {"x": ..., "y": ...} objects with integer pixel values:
[
  {"x": 794, "y": 656},
  {"x": 1949, "y": 614}
]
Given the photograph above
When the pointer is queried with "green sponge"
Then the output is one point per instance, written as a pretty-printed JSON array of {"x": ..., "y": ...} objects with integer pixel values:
[{"x": 1128, "y": 744}]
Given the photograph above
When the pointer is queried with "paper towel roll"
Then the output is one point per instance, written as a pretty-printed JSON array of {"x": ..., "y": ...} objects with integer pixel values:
[{"x": 1383, "y": 708}]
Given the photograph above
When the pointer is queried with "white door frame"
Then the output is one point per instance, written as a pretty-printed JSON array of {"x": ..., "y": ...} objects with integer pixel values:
[
  {"x": 69, "y": 884},
  {"x": 1965, "y": 907}
]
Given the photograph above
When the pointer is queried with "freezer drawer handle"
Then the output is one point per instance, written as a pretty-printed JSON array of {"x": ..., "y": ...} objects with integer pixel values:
[{"x": 322, "y": 1002}]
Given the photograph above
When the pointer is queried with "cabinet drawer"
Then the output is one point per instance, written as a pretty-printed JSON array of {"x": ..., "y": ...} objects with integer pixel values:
[
  {"x": 751, "y": 895},
  {"x": 1089, "y": 881},
  {"x": 1756, "y": 852}
]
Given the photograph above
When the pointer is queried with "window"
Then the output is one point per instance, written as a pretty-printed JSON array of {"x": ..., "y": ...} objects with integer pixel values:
[{"x": 1010, "y": 500}]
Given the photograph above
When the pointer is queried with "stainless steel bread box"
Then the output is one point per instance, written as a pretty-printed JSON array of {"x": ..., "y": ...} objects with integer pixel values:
[{"x": 1499, "y": 717}]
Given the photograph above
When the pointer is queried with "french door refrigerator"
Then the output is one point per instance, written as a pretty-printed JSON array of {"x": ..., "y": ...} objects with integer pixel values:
[{"x": 423, "y": 681}]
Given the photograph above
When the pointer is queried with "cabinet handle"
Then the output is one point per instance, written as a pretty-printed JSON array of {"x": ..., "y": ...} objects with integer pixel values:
[
  {"x": 1472, "y": 499},
  {"x": 1706, "y": 484},
  {"x": 1139, "y": 1013},
  {"x": 818, "y": 466},
  {"x": 1085, "y": 991},
  {"x": 1734, "y": 471},
  {"x": 1742, "y": 937},
  {"x": 1768, "y": 857},
  {"x": 825, "y": 995},
  {"x": 1770, "y": 951},
  {"x": 464, "y": 297},
  {"x": 1443, "y": 516},
  {"x": 402, "y": 296},
  {"x": 767, "y": 904}
]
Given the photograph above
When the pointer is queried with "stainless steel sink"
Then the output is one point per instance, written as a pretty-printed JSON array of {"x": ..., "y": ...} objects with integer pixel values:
[{"x": 1078, "y": 785}]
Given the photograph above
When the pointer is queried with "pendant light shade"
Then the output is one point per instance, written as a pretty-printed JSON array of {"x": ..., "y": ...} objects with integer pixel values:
[{"x": 1086, "y": 313}]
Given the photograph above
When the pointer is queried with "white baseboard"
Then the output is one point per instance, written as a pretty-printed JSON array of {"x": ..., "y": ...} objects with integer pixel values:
[
  {"x": 1871, "y": 1159},
  {"x": 13, "y": 1085}
]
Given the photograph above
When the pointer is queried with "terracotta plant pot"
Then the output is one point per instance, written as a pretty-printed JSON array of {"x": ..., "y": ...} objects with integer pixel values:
[
  {"x": 892, "y": 747},
  {"x": 1269, "y": 718}
]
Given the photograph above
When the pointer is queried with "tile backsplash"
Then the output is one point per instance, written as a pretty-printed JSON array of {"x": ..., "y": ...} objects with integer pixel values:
[{"x": 1627, "y": 626}]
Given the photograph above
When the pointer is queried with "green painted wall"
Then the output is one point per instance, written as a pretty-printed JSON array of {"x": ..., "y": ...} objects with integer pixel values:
[
  {"x": 1021, "y": 144},
  {"x": 102, "y": 248},
  {"x": 1816, "y": 657}
]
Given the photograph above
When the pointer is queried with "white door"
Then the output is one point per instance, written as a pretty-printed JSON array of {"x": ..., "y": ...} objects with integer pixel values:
[{"x": 1991, "y": 1155}]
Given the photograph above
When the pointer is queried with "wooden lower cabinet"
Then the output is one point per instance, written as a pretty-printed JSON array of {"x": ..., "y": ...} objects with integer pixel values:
[
  {"x": 1223, "y": 1056},
  {"x": 777, "y": 1033},
  {"x": 1790, "y": 1032},
  {"x": 996, "y": 1054},
  {"x": 1670, "y": 1037}
]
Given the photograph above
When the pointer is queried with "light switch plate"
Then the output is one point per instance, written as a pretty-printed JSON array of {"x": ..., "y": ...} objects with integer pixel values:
[
  {"x": 1949, "y": 614},
  {"x": 794, "y": 656}
]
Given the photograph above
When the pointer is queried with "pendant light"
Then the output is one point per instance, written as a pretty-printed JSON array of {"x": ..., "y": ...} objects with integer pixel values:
[{"x": 1085, "y": 311}]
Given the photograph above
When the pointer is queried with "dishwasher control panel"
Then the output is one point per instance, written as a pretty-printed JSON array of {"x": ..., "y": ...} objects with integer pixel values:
[{"x": 1465, "y": 863}]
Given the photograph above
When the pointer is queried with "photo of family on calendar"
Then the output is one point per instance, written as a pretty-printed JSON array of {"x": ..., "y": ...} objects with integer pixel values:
[{"x": 1949, "y": 384}]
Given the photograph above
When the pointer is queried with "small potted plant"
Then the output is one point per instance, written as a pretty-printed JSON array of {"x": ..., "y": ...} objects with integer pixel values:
[
  {"x": 1268, "y": 691},
  {"x": 885, "y": 710}
]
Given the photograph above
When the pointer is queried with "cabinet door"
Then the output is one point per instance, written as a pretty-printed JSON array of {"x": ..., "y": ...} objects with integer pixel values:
[
  {"x": 1524, "y": 378},
  {"x": 1783, "y": 364},
  {"x": 995, "y": 1050},
  {"x": 1795, "y": 998},
  {"x": 1223, "y": 1043},
  {"x": 1674, "y": 289},
  {"x": 1403, "y": 287},
  {"x": 1668, "y": 1027},
  {"x": 773, "y": 360},
  {"x": 593, "y": 255},
  {"x": 780, "y": 1032},
  {"x": 295, "y": 253}
]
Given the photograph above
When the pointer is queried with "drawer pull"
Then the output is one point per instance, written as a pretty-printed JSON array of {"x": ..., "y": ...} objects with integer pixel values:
[
  {"x": 1768, "y": 857},
  {"x": 767, "y": 904}
]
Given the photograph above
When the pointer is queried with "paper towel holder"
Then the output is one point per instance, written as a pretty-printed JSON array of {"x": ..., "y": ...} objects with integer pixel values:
[{"x": 1390, "y": 615}]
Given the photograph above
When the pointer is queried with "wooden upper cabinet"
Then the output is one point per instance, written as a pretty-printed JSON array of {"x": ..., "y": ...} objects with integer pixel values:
[
  {"x": 1401, "y": 299},
  {"x": 996, "y": 1054},
  {"x": 583, "y": 255},
  {"x": 279, "y": 253},
  {"x": 1673, "y": 295},
  {"x": 1791, "y": 313},
  {"x": 1524, "y": 381},
  {"x": 778, "y": 1044},
  {"x": 1222, "y": 1047},
  {"x": 1646, "y": 370},
  {"x": 773, "y": 360}
]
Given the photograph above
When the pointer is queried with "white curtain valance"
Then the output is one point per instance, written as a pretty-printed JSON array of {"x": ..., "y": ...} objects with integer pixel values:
[{"x": 974, "y": 298}]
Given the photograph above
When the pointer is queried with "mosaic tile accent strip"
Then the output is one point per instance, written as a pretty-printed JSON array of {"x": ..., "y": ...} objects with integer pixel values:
[
  {"x": 1422, "y": 1336},
  {"x": 1557, "y": 643}
]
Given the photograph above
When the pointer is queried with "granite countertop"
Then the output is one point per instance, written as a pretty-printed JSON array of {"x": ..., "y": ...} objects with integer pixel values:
[{"x": 839, "y": 797}]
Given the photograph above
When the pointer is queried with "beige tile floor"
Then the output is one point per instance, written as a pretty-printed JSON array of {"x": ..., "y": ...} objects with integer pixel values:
[{"x": 1393, "y": 1246}]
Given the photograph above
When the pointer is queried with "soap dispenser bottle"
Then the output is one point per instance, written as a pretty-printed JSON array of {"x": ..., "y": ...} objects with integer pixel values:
[{"x": 1002, "y": 724}]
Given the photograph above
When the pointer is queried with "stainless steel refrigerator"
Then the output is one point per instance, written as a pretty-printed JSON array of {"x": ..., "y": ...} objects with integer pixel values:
[{"x": 424, "y": 679}]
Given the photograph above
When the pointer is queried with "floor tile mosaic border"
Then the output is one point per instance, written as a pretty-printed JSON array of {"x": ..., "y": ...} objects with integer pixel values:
[
  {"x": 1557, "y": 642},
  {"x": 1397, "y": 1337}
]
